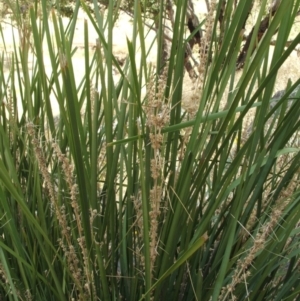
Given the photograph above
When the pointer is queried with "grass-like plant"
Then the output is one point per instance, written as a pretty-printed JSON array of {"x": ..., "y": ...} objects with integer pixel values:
[{"x": 133, "y": 195}]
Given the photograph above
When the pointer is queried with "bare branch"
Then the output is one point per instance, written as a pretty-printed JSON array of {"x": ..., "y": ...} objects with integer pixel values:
[
  {"x": 264, "y": 25},
  {"x": 207, "y": 5}
]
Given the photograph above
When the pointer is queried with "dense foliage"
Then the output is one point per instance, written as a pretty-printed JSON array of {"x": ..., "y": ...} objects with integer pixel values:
[{"x": 135, "y": 191}]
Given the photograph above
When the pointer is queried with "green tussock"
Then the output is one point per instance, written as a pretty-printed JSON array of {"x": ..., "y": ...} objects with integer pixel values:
[{"x": 131, "y": 189}]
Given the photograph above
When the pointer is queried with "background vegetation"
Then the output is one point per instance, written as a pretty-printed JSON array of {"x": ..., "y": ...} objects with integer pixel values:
[{"x": 133, "y": 195}]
